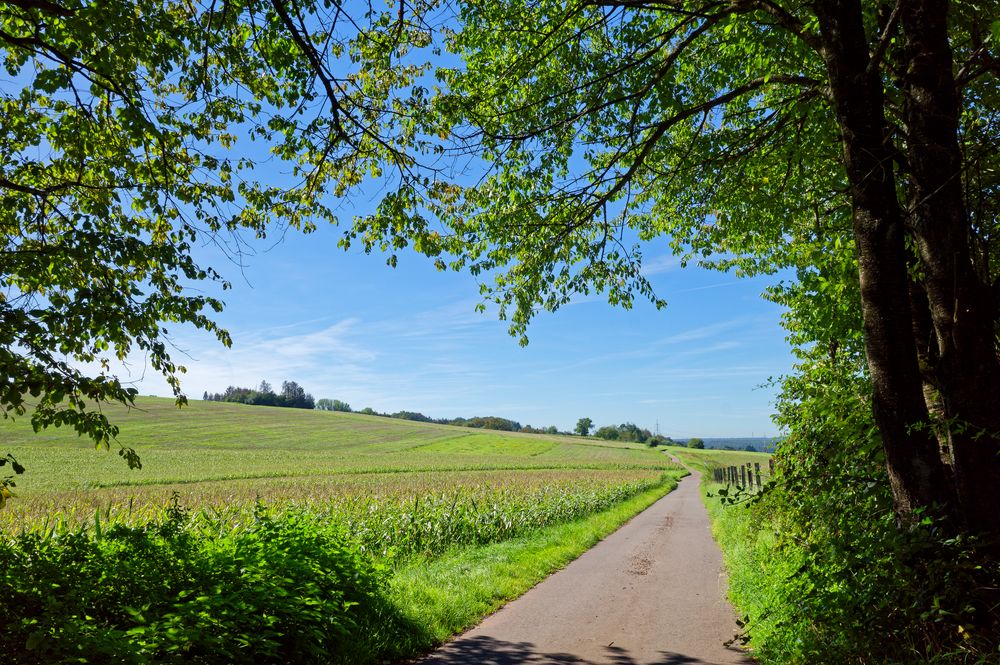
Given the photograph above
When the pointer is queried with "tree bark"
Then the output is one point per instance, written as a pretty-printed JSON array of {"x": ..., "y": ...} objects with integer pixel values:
[
  {"x": 967, "y": 371},
  {"x": 912, "y": 455}
]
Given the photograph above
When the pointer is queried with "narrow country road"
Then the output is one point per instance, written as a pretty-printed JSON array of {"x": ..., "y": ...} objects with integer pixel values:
[{"x": 652, "y": 593}]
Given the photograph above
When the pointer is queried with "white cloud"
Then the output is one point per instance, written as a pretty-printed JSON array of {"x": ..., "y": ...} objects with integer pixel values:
[{"x": 660, "y": 264}]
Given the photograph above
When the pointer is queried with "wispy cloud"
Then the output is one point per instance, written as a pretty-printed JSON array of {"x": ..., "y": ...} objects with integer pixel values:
[
  {"x": 717, "y": 285},
  {"x": 703, "y": 332},
  {"x": 660, "y": 264}
]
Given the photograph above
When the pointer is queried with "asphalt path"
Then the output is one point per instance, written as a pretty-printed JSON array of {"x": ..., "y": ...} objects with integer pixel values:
[{"x": 652, "y": 593}]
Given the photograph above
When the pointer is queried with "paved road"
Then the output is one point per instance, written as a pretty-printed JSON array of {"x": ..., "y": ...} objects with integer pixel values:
[{"x": 652, "y": 593}]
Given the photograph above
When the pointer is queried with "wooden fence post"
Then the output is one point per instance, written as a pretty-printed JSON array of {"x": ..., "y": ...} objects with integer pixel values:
[{"x": 756, "y": 468}]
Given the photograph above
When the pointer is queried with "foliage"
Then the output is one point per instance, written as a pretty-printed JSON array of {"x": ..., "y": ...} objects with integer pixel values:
[
  {"x": 818, "y": 565},
  {"x": 659, "y": 440},
  {"x": 607, "y": 432},
  {"x": 8, "y": 481},
  {"x": 135, "y": 131},
  {"x": 487, "y": 422},
  {"x": 335, "y": 405},
  {"x": 296, "y": 584},
  {"x": 624, "y": 432},
  {"x": 583, "y": 426},
  {"x": 292, "y": 395},
  {"x": 432, "y": 523},
  {"x": 551, "y": 429},
  {"x": 696, "y": 443},
  {"x": 285, "y": 588},
  {"x": 411, "y": 415}
]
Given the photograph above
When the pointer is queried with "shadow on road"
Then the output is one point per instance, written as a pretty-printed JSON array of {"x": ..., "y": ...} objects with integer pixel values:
[{"x": 486, "y": 650}]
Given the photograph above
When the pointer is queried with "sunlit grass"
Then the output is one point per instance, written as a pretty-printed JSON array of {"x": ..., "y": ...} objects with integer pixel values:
[
  {"x": 220, "y": 456},
  {"x": 454, "y": 521}
]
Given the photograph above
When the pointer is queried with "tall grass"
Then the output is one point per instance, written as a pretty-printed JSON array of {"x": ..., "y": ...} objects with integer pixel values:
[
  {"x": 274, "y": 535},
  {"x": 300, "y": 583}
]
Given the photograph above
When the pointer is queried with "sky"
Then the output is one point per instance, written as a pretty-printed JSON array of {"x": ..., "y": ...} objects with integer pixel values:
[{"x": 346, "y": 326}]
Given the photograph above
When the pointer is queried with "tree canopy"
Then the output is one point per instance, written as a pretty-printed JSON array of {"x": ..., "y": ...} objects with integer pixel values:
[
  {"x": 134, "y": 130},
  {"x": 852, "y": 143}
]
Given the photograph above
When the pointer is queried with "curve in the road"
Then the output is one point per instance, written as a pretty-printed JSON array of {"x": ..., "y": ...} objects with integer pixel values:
[{"x": 652, "y": 593}]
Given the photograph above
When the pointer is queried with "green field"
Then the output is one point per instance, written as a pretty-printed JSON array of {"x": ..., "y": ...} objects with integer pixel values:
[
  {"x": 708, "y": 460},
  {"x": 257, "y": 534},
  {"x": 218, "y": 454}
]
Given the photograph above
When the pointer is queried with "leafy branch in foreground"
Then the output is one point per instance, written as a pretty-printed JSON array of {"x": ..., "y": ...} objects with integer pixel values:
[
  {"x": 135, "y": 131},
  {"x": 8, "y": 481},
  {"x": 849, "y": 142}
]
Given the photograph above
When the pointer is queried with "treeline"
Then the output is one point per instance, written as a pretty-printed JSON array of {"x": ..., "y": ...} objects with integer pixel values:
[
  {"x": 633, "y": 433},
  {"x": 292, "y": 395},
  {"x": 480, "y": 422}
]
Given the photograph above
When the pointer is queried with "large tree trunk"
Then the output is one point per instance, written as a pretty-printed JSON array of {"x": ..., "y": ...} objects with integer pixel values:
[
  {"x": 966, "y": 372},
  {"x": 914, "y": 464}
]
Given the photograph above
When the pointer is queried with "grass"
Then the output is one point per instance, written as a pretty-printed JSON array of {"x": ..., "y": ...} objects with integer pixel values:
[
  {"x": 215, "y": 454},
  {"x": 458, "y": 521},
  {"x": 746, "y": 550},
  {"x": 707, "y": 460},
  {"x": 445, "y": 595}
]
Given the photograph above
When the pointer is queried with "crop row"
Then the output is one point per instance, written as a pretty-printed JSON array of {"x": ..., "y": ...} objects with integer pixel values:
[
  {"x": 137, "y": 505},
  {"x": 394, "y": 521},
  {"x": 435, "y": 522}
]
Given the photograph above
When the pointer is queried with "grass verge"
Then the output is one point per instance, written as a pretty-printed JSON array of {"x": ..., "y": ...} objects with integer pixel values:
[
  {"x": 751, "y": 565},
  {"x": 747, "y": 551},
  {"x": 437, "y": 598}
]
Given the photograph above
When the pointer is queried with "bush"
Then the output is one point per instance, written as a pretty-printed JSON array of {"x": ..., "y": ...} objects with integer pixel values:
[
  {"x": 821, "y": 569},
  {"x": 284, "y": 589}
]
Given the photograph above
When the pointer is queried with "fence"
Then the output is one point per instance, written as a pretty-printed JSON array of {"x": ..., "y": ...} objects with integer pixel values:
[{"x": 744, "y": 475}]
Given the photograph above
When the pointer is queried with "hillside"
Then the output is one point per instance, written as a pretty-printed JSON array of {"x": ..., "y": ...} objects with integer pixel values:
[{"x": 215, "y": 453}]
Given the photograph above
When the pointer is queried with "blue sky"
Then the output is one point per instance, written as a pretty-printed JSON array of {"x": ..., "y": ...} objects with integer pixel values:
[{"x": 346, "y": 326}]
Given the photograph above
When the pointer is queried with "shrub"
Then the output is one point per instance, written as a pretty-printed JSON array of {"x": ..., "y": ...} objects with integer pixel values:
[{"x": 283, "y": 589}]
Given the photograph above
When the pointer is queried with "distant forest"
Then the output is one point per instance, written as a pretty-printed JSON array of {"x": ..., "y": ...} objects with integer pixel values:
[
  {"x": 623, "y": 432},
  {"x": 292, "y": 395}
]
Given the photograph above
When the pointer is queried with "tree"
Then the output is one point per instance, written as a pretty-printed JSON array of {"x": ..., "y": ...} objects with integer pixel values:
[
  {"x": 334, "y": 405},
  {"x": 295, "y": 396},
  {"x": 658, "y": 440},
  {"x": 609, "y": 432},
  {"x": 411, "y": 415},
  {"x": 696, "y": 443},
  {"x": 583, "y": 426},
  {"x": 127, "y": 131},
  {"x": 828, "y": 137}
]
